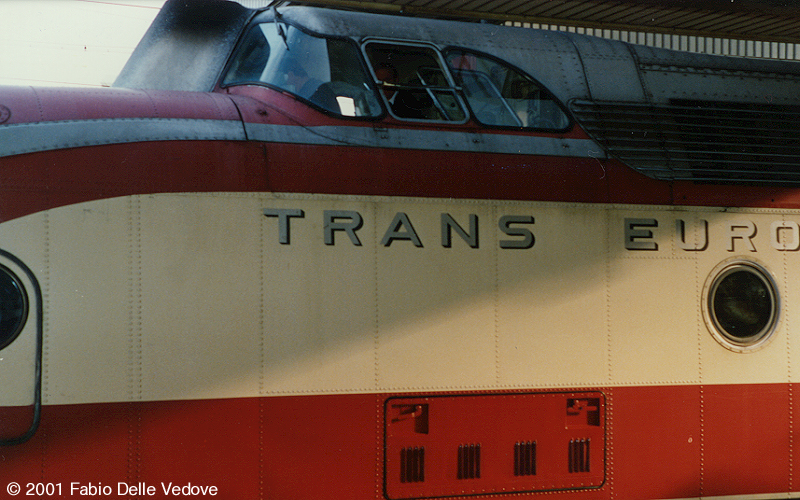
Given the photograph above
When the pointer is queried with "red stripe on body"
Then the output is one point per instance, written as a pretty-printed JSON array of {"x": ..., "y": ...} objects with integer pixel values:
[
  {"x": 662, "y": 442},
  {"x": 288, "y": 447},
  {"x": 34, "y": 182}
]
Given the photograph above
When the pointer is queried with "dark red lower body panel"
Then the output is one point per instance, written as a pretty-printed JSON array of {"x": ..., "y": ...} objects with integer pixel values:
[{"x": 653, "y": 442}]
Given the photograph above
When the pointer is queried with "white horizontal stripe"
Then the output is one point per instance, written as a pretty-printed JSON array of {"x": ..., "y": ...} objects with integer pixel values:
[{"x": 576, "y": 309}]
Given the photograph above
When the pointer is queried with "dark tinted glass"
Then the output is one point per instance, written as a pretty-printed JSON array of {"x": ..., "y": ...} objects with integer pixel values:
[
  {"x": 13, "y": 307},
  {"x": 743, "y": 305}
]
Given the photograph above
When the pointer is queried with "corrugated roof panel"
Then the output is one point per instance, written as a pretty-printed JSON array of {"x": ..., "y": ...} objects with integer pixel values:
[
  {"x": 750, "y": 24},
  {"x": 761, "y": 25},
  {"x": 496, "y": 5},
  {"x": 570, "y": 10},
  {"x": 726, "y": 24},
  {"x": 746, "y": 19},
  {"x": 477, "y": 5},
  {"x": 675, "y": 17},
  {"x": 642, "y": 15},
  {"x": 507, "y": 6},
  {"x": 432, "y": 4},
  {"x": 612, "y": 12}
]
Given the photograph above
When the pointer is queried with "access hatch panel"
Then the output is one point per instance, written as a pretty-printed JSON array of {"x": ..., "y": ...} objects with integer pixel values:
[{"x": 441, "y": 446}]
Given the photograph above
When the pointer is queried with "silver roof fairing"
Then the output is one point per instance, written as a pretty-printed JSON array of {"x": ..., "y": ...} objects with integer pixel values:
[
  {"x": 570, "y": 65},
  {"x": 186, "y": 47}
]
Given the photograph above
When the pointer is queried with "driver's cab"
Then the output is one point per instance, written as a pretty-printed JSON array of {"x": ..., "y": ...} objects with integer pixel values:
[{"x": 410, "y": 81}]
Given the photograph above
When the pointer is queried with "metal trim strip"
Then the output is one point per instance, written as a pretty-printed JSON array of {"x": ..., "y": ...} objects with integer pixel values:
[
  {"x": 46, "y": 136},
  {"x": 425, "y": 139}
]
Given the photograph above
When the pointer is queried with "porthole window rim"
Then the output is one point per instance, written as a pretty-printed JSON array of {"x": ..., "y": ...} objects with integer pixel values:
[
  {"x": 763, "y": 338},
  {"x": 25, "y": 304}
]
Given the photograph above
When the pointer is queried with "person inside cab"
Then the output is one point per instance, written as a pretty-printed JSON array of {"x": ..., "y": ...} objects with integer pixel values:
[
  {"x": 309, "y": 87},
  {"x": 402, "y": 102}
]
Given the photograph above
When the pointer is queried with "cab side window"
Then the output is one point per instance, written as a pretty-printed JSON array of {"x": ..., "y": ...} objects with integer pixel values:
[
  {"x": 414, "y": 82},
  {"x": 499, "y": 95},
  {"x": 326, "y": 72}
]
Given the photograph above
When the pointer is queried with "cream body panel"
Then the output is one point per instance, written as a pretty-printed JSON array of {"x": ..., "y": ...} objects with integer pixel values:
[
  {"x": 436, "y": 305},
  {"x": 187, "y": 296},
  {"x": 666, "y": 292},
  {"x": 197, "y": 308},
  {"x": 771, "y": 362},
  {"x": 319, "y": 307},
  {"x": 551, "y": 308}
]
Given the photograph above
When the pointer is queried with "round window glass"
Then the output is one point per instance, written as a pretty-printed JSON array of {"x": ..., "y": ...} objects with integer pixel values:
[
  {"x": 743, "y": 305},
  {"x": 13, "y": 307}
]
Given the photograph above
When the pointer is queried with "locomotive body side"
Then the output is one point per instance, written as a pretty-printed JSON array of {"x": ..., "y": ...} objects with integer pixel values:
[{"x": 275, "y": 295}]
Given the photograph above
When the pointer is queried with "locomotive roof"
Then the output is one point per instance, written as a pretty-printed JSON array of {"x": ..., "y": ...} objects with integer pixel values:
[
  {"x": 189, "y": 43},
  {"x": 657, "y": 110},
  {"x": 763, "y": 20}
]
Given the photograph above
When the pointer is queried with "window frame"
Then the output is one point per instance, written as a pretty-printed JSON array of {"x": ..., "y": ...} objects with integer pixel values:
[
  {"x": 438, "y": 53},
  {"x": 356, "y": 51},
  {"x": 542, "y": 88},
  {"x": 726, "y": 339}
]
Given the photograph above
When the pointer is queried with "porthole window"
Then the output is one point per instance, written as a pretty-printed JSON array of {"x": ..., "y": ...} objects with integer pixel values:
[
  {"x": 741, "y": 305},
  {"x": 13, "y": 307}
]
